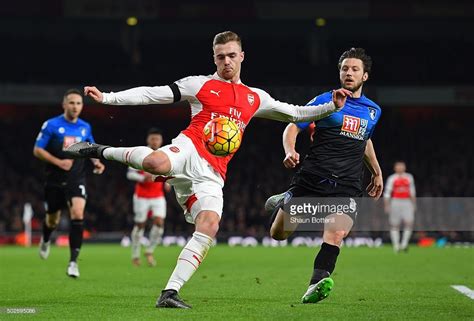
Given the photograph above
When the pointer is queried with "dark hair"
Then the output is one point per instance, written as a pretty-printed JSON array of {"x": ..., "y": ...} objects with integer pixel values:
[
  {"x": 72, "y": 91},
  {"x": 225, "y": 37},
  {"x": 358, "y": 53},
  {"x": 154, "y": 131}
]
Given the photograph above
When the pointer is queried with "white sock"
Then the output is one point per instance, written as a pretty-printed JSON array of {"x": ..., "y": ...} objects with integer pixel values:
[
  {"x": 156, "y": 233},
  {"x": 189, "y": 260},
  {"x": 132, "y": 156},
  {"x": 405, "y": 238},
  {"x": 395, "y": 237},
  {"x": 137, "y": 234}
]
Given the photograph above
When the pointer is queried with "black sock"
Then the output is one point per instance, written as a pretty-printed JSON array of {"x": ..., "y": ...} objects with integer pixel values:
[
  {"x": 46, "y": 232},
  {"x": 325, "y": 262},
  {"x": 75, "y": 238}
]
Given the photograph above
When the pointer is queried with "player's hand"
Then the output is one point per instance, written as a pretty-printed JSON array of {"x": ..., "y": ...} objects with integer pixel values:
[
  {"x": 148, "y": 177},
  {"x": 99, "y": 168},
  {"x": 375, "y": 187},
  {"x": 94, "y": 93},
  {"x": 65, "y": 164},
  {"x": 339, "y": 97},
  {"x": 291, "y": 159}
]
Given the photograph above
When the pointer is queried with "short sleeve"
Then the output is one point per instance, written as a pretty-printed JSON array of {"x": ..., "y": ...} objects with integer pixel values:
[{"x": 44, "y": 135}]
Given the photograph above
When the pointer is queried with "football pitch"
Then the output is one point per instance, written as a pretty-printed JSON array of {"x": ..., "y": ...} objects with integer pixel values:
[{"x": 236, "y": 283}]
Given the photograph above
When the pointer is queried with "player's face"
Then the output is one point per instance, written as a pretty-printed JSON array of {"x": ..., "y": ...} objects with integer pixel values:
[
  {"x": 228, "y": 59},
  {"x": 154, "y": 141},
  {"x": 399, "y": 168},
  {"x": 72, "y": 106},
  {"x": 352, "y": 75}
]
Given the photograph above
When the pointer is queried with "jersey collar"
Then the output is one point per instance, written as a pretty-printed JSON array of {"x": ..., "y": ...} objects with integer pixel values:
[{"x": 216, "y": 76}]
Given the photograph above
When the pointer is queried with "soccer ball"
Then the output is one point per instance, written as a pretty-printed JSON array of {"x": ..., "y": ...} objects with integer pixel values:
[{"x": 222, "y": 136}]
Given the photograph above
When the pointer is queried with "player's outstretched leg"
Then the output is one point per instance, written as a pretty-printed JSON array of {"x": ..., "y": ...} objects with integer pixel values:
[
  {"x": 85, "y": 150},
  {"x": 139, "y": 157}
]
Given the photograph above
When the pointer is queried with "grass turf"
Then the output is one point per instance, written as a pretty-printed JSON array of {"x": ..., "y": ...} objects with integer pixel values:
[{"x": 239, "y": 283}]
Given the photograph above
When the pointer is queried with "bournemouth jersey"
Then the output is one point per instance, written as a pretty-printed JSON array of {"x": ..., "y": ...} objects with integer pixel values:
[
  {"x": 56, "y": 134},
  {"x": 339, "y": 140}
]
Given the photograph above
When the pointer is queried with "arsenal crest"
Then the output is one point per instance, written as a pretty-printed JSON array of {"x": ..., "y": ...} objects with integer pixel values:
[{"x": 251, "y": 99}]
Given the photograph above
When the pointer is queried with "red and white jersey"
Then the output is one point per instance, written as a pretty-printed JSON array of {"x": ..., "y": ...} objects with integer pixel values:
[
  {"x": 210, "y": 97},
  {"x": 145, "y": 189},
  {"x": 400, "y": 186}
]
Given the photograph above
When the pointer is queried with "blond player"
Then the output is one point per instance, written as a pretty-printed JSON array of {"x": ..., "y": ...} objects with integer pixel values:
[
  {"x": 196, "y": 175},
  {"x": 400, "y": 204}
]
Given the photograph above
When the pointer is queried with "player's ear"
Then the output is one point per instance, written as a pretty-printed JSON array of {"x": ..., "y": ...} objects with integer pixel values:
[
  {"x": 242, "y": 55},
  {"x": 365, "y": 76}
]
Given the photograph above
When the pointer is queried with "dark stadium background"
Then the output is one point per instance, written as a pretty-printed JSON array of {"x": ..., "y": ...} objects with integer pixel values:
[{"x": 422, "y": 78}]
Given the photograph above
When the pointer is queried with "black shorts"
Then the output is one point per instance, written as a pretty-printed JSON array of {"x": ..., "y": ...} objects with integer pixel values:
[
  {"x": 321, "y": 190},
  {"x": 311, "y": 185},
  {"x": 58, "y": 197}
]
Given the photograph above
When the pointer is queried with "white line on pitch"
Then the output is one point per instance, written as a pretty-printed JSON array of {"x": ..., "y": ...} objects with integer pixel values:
[{"x": 464, "y": 290}]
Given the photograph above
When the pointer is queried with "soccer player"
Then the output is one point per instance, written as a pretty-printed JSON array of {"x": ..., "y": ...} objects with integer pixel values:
[
  {"x": 400, "y": 204},
  {"x": 340, "y": 146},
  {"x": 65, "y": 178},
  {"x": 149, "y": 196},
  {"x": 197, "y": 175}
]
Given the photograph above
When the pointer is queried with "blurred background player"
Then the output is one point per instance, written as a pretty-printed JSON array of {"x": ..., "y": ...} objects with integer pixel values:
[
  {"x": 196, "y": 175},
  {"x": 400, "y": 204},
  {"x": 65, "y": 178},
  {"x": 333, "y": 167},
  {"x": 149, "y": 196}
]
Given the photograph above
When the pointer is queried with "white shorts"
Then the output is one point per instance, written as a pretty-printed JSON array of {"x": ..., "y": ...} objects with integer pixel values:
[
  {"x": 401, "y": 210},
  {"x": 198, "y": 187},
  {"x": 142, "y": 205}
]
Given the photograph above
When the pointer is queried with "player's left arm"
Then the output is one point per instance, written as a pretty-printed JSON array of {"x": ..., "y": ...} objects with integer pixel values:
[
  {"x": 375, "y": 187},
  {"x": 276, "y": 110},
  {"x": 99, "y": 167}
]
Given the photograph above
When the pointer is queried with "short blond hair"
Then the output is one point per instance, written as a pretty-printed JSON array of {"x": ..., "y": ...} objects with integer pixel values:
[{"x": 225, "y": 37}]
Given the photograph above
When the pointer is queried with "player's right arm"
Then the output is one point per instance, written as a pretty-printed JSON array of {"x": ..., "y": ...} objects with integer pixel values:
[
  {"x": 45, "y": 156},
  {"x": 183, "y": 89},
  {"x": 134, "y": 96},
  {"x": 292, "y": 158},
  {"x": 40, "y": 152}
]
